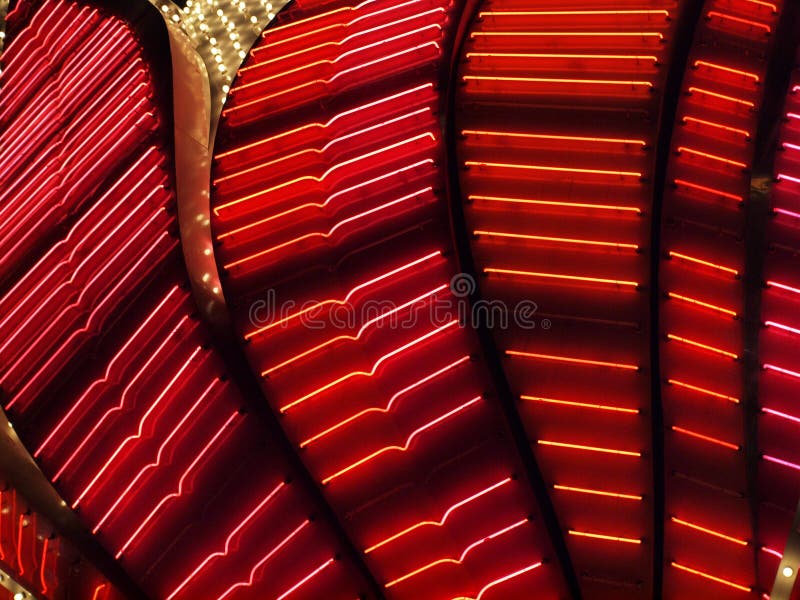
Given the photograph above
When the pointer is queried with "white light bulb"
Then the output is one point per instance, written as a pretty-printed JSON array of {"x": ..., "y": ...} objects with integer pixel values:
[{"x": 788, "y": 571}]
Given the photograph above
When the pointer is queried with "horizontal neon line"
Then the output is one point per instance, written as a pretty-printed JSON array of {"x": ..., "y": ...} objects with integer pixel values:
[
  {"x": 781, "y": 415},
  {"x": 570, "y": 56},
  {"x": 701, "y": 390},
  {"x": 406, "y": 445},
  {"x": 444, "y": 518},
  {"x": 561, "y": 276},
  {"x": 782, "y": 327},
  {"x": 701, "y": 346},
  {"x": 570, "y": 359},
  {"x": 542, "y": 136},
  {"x": 589, "y": 448},
  {"x": 632, "y": 209},
  {"x": 717, "y": 534},
  {"x": 787, "y": 213},
  {"x": 602, "y": 536},
  {"x": 779, "y": 461},
  {"x": 647, "y": 84},
  {"x": 710, "y": 577},
  {"x": 706, "y": 92},
  {"x": 756, "y": 24},
  {"x": 711, "y": 65},
  {"x": 746, "y": 134},
  {"x": 710, "y": 190},
  {"x": 705, "y": 263},
  {"x": 544, "y": 13},
  {"x": 632, "y": 411},
  {"x": 782, "y": 370},
  {"x": 713, "y": 157},
  {"x": 705, "y": 438},
  {"x": 783, "y": 286},
  {"x": 636, "y": 34},
  {"x": 307, "y": 578},
  {"x": 770, "y": 5},
  {"x": 474, "y": 163},
  {"x": 785, "y": 177},
  {"x": 543, "y": 238},
  {"x": 391, "y": 402},
  {"x": 696, "y": 302},
  {"x": 580, "y": 490}
]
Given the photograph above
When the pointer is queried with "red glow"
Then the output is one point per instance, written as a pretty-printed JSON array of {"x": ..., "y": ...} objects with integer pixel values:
[
  {"x": 562, "y": 276},
  {"x": 708, "y": 531},
  {"x": 542, "y": 238},
  {"x": 580, "y": 490},
  {"x": 632, "y": 411},
  {"x": 700, "y": 303},
  {"x": 704, "y": 263},
  {"x": 589, "y": 448},
  {"x": 710, "y": 65},
  {"x": 557, "y": 203},
  {"x": 703, "y": 391},
  {"x": 551, "y": 168},
  {"x": 750, "y": 23},
  {"x": 605, "y": 537},
  {"x": 503, "y": 579},
  {"x": 733, "y": 100},
  {"x": 701, "y": 346},
  {"x": 710, "y": 577},
  {"x": 706, "y": 438},
  {"x": 573, "y": 360}
]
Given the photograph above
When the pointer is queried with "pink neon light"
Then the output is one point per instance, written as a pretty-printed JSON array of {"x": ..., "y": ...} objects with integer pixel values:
[
  {"x": 781, "y": 370},
  {"x": 781, "y": 415},
  {"x": 305, "y": 579},
  {"x": 778, "y": 461},
  {"x": 782, "y": 327}
]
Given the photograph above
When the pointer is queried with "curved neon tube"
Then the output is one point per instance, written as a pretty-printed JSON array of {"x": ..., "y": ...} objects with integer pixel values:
[{"x": 497, "y": 582}]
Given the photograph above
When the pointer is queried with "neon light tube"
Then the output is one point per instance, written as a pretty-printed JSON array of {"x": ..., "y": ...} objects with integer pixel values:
[
  {"x": 646, "y": 84},
  {"x": 704, "y": 263},
  {"x": 782, "y": 286},
  {"x": 571, "y": 34},
  {"x": 785, "y": 177},
  {"x": 474, "y": 163},
  {"x": 589, "y": 448},
  {"x": 742, "y": 132},
  {"x": 778, "y": 461},
  {"x": 444, "y": 518},
  {"x": 723, "y": 16},
  {"x": 636, "y": 57},
  {"x": 697, "y": 90},
  {"x": 710, "y": 577},
  {"x": 782, "y": 327},
  {"x": 633, "y": 411},
  {"x": 782, "y": 415},
  {"x": 601, "y": 536},
  {"x": 306, "y": 579},
  {"x": 406, "y": 445},
  {"x": 787, "y": 213},
  {"x": 616, "y": 282},
  {"x": 708, "y": 190},
  {"x": 541, "y": 136},
  {"x": 701, "y": 346},
  {"x": 580, "y": 490},
  {"x": 388, "y": 407},
  {"x": 702, "y": 304},
  {"x": 542, "y": 238},
  {"x": 570, "y": 359},
  {"x": 710, "y": 65},
  {"x": 714, "y": 157},
  {"x": 632, "y": 209},
  {"x": 503, "y": 579},
  {"x": 705, "y": 438},
  {"x": 717, "y": 534},
  {"x": 545, "y": 13},
  {"x": 782, "y": 370},
  {"x": 374, "y": 368},
  {"x": 704, "y": 391},
  {"x": 774, "y": 553}
]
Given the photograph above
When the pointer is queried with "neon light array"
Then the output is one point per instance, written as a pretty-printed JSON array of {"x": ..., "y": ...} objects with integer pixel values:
[
  {"x": 106, "y": 372},
  {"x": 332, "y": 237},
  {"x": 701, "y": 283},
  {"x": 779, "y": 347},
  {"x": 558, "y": 204}
]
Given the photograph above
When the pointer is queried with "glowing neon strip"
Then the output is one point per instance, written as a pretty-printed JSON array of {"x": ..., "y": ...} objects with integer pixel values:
[
  {"x": 460, "y": 559},
  {"x": 708, "y": 190},
  {"x": 580, "y": 490},
  {"x": 705, "y": 263},
  {"x": 634, "y": 34},
  {"x": 97, "y": 591},
  {"x": 589, "y": 448},
  {"x": 388, "y": 407},
  {"x": 723, "y": 16},
  {"x": 228, "y": 540},
  {"x": 503, "y": 579},
  {"x": 647, "y": 84},
  {"x": 778, "y": 461},
  {"x": 179, "y": 491},
  {"x": 782, "y": 370},
  {"x": 772, "y": 552},
  {"x": 782, "y": 286},
  {"x": 602, "y": 536},
  {"x": 306, "y": 579},
  {"x": 406, "y": 445},
  {"x": 474, "y": 163},
  {"x": 632, "y": 411},
  {"x": 633, "y": 209},
  {"x": 541, "y": 136},
  {"x": 702, "y": 304},
  {"x": 782, "y": 327},
  {"x": 374, "y": 368},
  {"x": 43, "y": 562},
  {"x": 701, "y": 346},
  {"x": 636, "y": 57},
  {"x": 714, "y": 157},
  {"x": 704, "y": 391},
  {"x": 616, "y": 282},
  {"x": 710, "y": 577},
  {"x": 717, "y": 534},
  {"x": 770, "y": 5},
  {"x": 697, "y": 90},
  {"x": 573, "y": 360},
  {"x": 710, "y": 65},
  {"x": 349, "y": 296},
  {"x": 444, "y": 518},
  {"x": 542, "y": 238},
  {"x": 705, "y": 438},
  {"x": 265, "y": 559},
  {"x": 426, "y": 296},
  {"x": 785, "y": 177},
  {"x": 743, "y": 132},
  {"x": 543, "y": 13},
  {"x": 781, "y": 415},
  {"x": 787, "y": 213}
]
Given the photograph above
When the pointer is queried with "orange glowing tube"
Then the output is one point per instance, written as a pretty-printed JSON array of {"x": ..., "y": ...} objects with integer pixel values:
[
  {"x": 606, "y": 407},
  {"x": 566, "y": 13},
  {"x": 374, "y": 368},
  {"x": 624, "y": 82},
  {"x": 714, "y": 157},
  {"x": 460, "y": 559},
  {"x": 701, "y": 346},
  {"x": 542, "y": 238},
  {"x": 589, "y": 448},
  {"x": 714, "y": 125},
  {"x": 710, "y": 65},
  {"x": 635, "y": 57},
  {"x": 602, "y": 536},
  {"x": 561, "y": 276},
  {"x": 725, "y": 16},
  {"x": 770, "y": 5},
  {"x": 406, "y": 445},
  {"x": 702, "y": 304},
  {"x": 388, "y": 407},
  {"x": 581, "y": 490},
  {"x": 354, "y": 338},
  {"x": 564, "y": 204},
  {"x": 569, "y": 34},
  {"x": 703, "y": 391},
  {"x": 705, "y": 438},
  {"x": 444, "y": 518},
  {"x": 717, "y": 534},
  {"x": 573, "y": 360},
  {"x": 707, "y": 190},
  {"x": 473, "y": 163},
  {"x": 541, "y": 136},
  {"x": 348, "y": 297},
  {"x": 705, "y": 263},
  {"x": 710, "y": 577},
  {"x": 705, "y": 92},
  {"x": 97, "y": 590}
]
